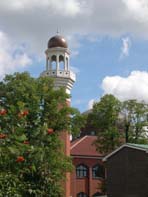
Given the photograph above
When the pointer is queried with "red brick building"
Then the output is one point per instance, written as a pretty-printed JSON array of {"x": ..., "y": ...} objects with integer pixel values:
[{"x": 88, "y": 174}]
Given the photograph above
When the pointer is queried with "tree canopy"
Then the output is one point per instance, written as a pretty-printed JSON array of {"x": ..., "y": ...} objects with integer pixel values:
[
  {"x": 104, "y": 117},
  {"x": 32, "y": 114},
  {"x": 135, "y": 121},
  {"x": 117, "y": 122}
]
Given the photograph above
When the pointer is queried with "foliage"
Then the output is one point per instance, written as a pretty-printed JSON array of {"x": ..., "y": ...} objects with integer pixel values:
[
  {"x": 32, "y": 114},
  {"x": 104, "y": 117},
  {"x": 118, "y": 122},
  {"x": 106, "y": 111},
  {"x": 135, "y": 121}
]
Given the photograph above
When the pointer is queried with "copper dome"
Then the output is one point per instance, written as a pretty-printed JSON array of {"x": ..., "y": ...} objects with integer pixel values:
[{"x": 57, "y": 41}]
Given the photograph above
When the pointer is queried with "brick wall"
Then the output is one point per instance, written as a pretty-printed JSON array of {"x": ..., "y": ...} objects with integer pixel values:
[{"x": 88, "y": 185}]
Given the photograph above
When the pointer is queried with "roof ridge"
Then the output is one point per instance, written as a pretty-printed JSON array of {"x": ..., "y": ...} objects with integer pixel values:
[
  {"x": 145, "y": 146},
  {"x": 78, "y": 142},
  {"x": 129, "y": 145}
]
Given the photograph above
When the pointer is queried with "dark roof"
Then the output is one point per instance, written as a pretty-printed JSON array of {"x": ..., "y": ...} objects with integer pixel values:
[
  {"x": 57, "y": 41},
  {"x": 85, "y": 147},
  {"x": 142, "y": 147}
]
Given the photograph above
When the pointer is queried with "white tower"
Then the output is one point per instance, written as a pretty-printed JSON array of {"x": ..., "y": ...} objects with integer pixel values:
[
  {"x": 57, "y": 67},
  {"x": 57, "y": 63}
]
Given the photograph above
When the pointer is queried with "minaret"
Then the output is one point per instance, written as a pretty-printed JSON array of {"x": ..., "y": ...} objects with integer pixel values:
[
  {"x": 58, "y": 67},
  {"x": 57, "y": 63}
]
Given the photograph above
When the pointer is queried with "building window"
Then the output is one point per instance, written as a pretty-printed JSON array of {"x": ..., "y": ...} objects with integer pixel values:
[
  {"x": 81, "y": 171},
  {"x": 98, "y": 171},
  {"x": 92, "y": 133},
  {"x": 82, "y": 194},
  {"x": 97, "y": 194}
]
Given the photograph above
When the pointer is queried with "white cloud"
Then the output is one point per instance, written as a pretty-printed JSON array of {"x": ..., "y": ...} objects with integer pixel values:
[
  {"x": 35, "y": 21},
  {"x": 11, "y": 57},
  {"x": 66, "y": 7},
  {"x": 138, "y": 9},
  {"x": 135, "y": 86},
  {"x": 90, "y": 103},
  {"x": 126, "y": 44}
]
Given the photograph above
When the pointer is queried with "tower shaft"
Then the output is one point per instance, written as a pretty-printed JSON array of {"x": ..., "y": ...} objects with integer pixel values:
[{"x": 58, "y": 68}]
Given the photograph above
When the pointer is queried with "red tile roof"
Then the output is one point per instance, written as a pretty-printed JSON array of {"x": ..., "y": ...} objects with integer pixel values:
[{"x": 84, "y": 147}]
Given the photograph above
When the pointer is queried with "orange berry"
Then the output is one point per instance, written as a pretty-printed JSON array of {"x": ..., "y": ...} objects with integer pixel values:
[
  {"x": 20, "y": 159},
  {"x": 50, "y": 131},
  {"x": 25, "y": 113},
  {"x": 26, "y": 142},
  {"x": 3, "y": 136},
  {"x": 3, "y": 112}
]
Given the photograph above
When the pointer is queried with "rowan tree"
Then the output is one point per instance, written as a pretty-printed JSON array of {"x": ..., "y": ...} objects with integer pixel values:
[{"x": 31, "y": 160}]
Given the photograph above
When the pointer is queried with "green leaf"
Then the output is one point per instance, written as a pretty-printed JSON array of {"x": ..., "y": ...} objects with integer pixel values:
[
  {"x": 13, "y": 150},
  {"x": 21, "y": 138}
]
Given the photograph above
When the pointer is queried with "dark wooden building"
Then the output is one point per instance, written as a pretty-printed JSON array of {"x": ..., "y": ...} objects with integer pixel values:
[{"x": 127, "y": 171}]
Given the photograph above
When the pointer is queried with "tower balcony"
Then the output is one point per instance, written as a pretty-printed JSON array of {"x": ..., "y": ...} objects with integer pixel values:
[{"x": 60, "y": 74}]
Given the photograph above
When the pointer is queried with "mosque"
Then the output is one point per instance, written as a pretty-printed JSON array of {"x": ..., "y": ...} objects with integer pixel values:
[{"x": 88, "y": 175}]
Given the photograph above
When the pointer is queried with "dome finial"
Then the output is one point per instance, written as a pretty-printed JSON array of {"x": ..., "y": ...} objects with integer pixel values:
[{"x": 58, "y": 31}]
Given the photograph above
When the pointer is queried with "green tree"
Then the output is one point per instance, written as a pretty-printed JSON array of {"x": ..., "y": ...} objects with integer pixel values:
[
  {"x": 104, "y": 118},
  {"x": 135, "y": 120},
  {"x": 32, "y": 114}
]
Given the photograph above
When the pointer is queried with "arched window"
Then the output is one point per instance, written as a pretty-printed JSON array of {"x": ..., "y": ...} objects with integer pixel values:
[
  {"x": 81, "y": 171},
  {"x": 61, "y": 62},
  {"x": 97, "y": 194},
  {"x": 53, "y": 62},
  {"x": 82, "y": 194},
  {"x": 98, "y": 171}
]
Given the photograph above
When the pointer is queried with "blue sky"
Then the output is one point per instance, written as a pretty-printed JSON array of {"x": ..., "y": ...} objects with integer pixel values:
[
  {"x": 103, "y": 58},
  {"x": 108, "y": 42}
]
